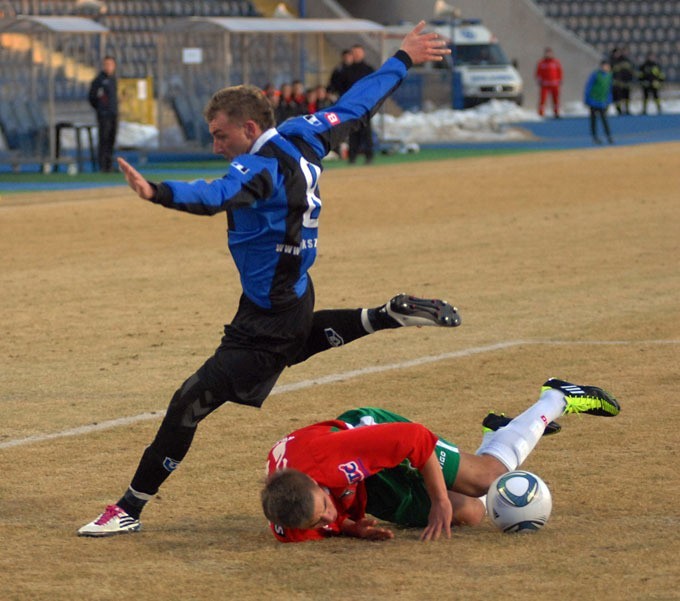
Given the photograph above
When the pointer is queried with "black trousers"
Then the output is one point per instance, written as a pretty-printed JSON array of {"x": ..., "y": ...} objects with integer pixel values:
[
  {"x": 256, "y": 347},
  {"x": 108, "y": 127},
  {"x": 653, "y": 93},
  {"x": 361, "y": 141},
  {"x": 602, "y": 114}
]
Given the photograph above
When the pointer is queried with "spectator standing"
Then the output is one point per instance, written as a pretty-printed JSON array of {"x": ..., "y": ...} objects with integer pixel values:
[
  {"x": 274, "y": 97},
  {"x": 103, "y": 97},
  {"x": 598, "y": 97},
  {"x": 622, "y": 80},
  {"x": 287, "y": 106},
  {"x": 651, "y": 77},
  {"x": 300, "y": 97},
  {"x": 360, "y": 140},
  {"x": 323, "y": 100},
  {"x": 336, "y": 84},
  {"x": 549, "y": 79}
]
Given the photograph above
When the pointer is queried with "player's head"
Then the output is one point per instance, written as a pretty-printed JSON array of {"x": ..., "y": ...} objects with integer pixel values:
[
  {"x": 292, "y": 499},
  {"x": 240, "y": 104},
  {"x": 358, "y": 53},
  {"x": 109, "y": 65},
  {"x": 236, "y": 117}
]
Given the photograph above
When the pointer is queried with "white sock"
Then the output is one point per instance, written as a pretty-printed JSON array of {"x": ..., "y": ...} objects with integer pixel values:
[
  {"x": 142, "y": 496},
  {"x": 366, "y": 322},
  {"x": 512, "y": 444}
]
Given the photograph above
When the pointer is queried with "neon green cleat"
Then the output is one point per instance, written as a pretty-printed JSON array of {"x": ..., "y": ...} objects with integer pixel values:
[{"x": 585, "y": 399}]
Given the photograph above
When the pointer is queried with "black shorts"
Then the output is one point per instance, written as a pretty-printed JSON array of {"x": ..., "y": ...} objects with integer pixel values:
[{"x": 255, "y": 349}]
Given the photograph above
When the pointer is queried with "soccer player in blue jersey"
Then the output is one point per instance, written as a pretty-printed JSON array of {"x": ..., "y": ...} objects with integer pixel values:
[{"x": 271, "y": 197}]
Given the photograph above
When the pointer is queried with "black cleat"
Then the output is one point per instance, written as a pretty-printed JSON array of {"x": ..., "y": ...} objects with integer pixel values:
[
  {"x": 409, "y": 310},
  {"x": 493, "y": 422}
]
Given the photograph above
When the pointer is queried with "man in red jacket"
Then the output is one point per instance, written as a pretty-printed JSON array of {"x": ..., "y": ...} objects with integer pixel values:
[
  {"x": 324, "y": 479},
  {"x": 549, "y": 78}
]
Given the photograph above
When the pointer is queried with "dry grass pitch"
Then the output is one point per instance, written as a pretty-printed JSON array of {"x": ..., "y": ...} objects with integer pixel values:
[{"x": 562, "y": 264}]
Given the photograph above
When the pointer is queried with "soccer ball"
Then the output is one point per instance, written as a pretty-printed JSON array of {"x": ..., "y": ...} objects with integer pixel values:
[{"x": 519, "y": 501}]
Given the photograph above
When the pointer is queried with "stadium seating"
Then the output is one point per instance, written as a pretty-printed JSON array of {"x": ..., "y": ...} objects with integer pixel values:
[
  {"x": 11, "y": 129},
  {"x": 640, "y": 25},
  {"x": 133, "y": 40},
  {"x": 132, "y": 24},
  {"x": 24, "y": 127}
]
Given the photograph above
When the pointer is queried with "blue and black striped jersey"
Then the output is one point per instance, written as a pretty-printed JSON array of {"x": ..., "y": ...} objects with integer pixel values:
[{"x": 271, "y": 194}]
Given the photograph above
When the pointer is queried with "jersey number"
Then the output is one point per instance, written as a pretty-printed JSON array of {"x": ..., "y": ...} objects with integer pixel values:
[{"x": 312, "y": 173}]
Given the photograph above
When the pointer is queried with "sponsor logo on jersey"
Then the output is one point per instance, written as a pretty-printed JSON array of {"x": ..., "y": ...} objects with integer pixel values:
[
  {"x": 313, "y": 120},
  {"x": 278, "y": 454},
  {"x": 239, "y": 167},
  {"x": 354, "y": 471},
  {"x": 332, "y": 118},
  {"x": 170, "y": 464},
  {"x": 292, "y": 249},
  {"x": 334, "y": 339}
]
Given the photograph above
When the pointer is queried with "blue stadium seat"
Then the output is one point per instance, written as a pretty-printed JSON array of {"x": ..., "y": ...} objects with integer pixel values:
[
  {"x": 641, "y": 24},
  {"x": 185, "y": 116},
  {"x": 11, "y": 128}
]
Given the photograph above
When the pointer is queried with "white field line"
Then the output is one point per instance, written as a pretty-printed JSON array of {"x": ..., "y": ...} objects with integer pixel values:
[{"x": 330, "y": 379}]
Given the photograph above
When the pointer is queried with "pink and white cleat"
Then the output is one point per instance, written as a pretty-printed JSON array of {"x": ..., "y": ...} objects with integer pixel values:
[{"x": 113, "y": 521}]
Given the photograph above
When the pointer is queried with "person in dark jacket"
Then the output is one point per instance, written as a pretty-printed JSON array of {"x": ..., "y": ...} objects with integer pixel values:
[
  {"x": 336, "y": 83},
  {"x": 651, "y": 76},
  {"x": 623, "y": 74},
  {"x": 104, "y": 100},
  {"x": 360, "y": 140},
  {"x": 270, "y": 195},
  {"x": 286, "y": 107}
]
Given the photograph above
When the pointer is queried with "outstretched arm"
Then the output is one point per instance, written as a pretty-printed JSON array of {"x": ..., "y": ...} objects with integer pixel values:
[
  {"x": 441, "y": 512},
  {"x": 136, "y": 180},
  {"x": 365, "y": 528},
  {"x": 423, "y": 47},
  {"x": 355, "y": 108}
]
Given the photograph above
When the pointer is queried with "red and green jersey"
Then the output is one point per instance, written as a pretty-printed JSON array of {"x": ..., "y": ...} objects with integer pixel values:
[{"x": 339, "y": 458}]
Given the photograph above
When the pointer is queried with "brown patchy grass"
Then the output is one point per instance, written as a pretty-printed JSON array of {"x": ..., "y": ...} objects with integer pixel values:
[{"x": 109, "y": 303}]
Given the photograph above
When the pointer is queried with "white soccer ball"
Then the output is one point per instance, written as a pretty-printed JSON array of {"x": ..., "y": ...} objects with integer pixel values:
[{"x": 519, "y": 501}]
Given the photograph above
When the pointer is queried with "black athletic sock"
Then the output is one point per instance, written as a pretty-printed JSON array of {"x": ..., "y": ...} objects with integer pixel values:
[
  {"x": 333, "y": 328},
  {"x": 131, "y": 504},
  {"x": 380, "y": 319}
]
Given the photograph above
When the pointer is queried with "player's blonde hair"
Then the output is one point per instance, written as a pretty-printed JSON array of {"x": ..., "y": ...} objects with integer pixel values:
[
  {"x": 287, "y": 498},
  {"x": 240, "y": 104}
]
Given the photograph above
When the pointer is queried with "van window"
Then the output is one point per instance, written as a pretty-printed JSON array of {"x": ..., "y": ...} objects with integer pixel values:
[{"x": 480, "y": 54}]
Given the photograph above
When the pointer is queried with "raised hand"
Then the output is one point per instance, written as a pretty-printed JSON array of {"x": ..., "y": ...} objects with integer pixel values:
[
  {"x": 136, "y": 180},
  {"x": 423, "y": 47}
]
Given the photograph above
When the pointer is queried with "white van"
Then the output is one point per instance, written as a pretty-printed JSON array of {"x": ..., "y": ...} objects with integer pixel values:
[{"x": 478, "y": 66}]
